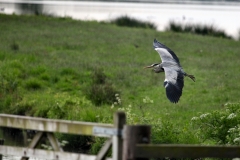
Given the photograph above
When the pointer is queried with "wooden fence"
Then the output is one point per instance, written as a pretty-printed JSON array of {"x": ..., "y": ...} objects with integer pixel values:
[{"x": 128, "y": 142}]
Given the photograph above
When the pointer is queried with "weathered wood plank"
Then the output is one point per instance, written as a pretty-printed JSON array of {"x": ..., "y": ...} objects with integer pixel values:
[
  {"x": 45, "y": 154},
  {"x": 117, "y": 147},
  {"x": 35, "y": 140},
  {"x": 135, "y": 134},
  {"x": 34, "y": 143},
  {"x": 104, "y": 150},
  {"x": 1, "y": 143},
  {"x": 50, "y": 125},
  {"x": 54, "y": 142},
  {"x": 186, "y": 151}
]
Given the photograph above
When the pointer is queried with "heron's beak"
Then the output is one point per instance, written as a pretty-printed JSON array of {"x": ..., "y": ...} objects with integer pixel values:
[{"x": 148, "y": 67}]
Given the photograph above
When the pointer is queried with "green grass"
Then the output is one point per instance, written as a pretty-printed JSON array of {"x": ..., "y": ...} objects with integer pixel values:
[{"x": 46, "y": 65}]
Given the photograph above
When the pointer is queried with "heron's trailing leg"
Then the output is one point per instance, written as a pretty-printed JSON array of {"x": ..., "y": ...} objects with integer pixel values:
[{"x": 190, "y": 76}]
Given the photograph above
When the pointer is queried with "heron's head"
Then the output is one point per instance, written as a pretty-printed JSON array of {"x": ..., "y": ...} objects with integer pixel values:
[
  {"x": 157, "y": 67},
  {"x": 152, "y": 65}
]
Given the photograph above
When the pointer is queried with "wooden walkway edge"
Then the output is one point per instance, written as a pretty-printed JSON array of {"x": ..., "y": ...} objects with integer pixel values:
[{"x": 40, "y": 153}]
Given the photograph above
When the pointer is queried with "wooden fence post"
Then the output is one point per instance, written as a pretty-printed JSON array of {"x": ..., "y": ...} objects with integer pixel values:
[
  {"x": 1, "y": 143},
  {"x": 117, "y": 147},
  {"x": 133, "y": 135}
]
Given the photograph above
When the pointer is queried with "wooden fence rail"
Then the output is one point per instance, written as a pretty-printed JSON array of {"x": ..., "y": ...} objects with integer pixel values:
[
  {"x": 186, "y": 151},
  {"x": 49, "y": 126},
  {"x": 128, "y": 142}
]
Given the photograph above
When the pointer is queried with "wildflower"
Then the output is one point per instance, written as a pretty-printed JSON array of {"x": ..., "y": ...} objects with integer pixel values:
[
  {"x": 232, "y": 130},
  {"x": 194, "y": 118},
  {"x": 226, "y": 104},
  {"x": 147, "y": 100},
  {"x": 236, "y": 140},
  {"x": 204, "y": 115},
  {"x": 144, "y": 100},
  {"x": 231, "y": 116},
  {"x": 65, "y": 142},
  {"x": 118, "y": 100},
  {"x": 112, "y": 106}
]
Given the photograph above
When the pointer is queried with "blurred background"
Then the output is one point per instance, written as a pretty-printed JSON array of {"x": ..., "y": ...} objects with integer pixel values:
[{"x": 220, "y": 13}]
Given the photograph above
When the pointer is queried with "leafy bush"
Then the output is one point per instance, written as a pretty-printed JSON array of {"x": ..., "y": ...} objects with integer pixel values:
[
  {"x": 100, "y": 91},
  {"x": 27, "y": 8},
  {"x": 131, "y": 22},
  {"x": 163, "y": 130},
  {"x": 221, "y": 126},
  {"x": 22, "y": 108},
  {"x": 99, "y": 77},
  {"x": 76, "y": 143},
  {"x": 14, "y": 46},
  {"x": 69, "y": 107},
  {"x": 201, "y": 29}
]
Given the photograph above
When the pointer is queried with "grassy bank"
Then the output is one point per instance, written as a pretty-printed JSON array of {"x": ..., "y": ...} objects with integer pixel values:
[{"x": 47, "y": 68}]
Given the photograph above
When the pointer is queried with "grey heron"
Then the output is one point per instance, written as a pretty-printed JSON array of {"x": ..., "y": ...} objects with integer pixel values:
[{"x": 174, "y": 73}]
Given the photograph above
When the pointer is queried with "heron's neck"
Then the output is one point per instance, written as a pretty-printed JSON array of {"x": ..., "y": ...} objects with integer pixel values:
[{"x": 158, "y": 68}]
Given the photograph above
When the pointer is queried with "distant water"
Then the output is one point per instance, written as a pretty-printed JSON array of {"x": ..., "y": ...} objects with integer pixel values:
[{"x": 222, "y": 14}]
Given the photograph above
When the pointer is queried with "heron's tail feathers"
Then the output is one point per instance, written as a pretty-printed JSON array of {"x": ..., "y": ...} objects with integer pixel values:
[{"x": 191, "y": 76}]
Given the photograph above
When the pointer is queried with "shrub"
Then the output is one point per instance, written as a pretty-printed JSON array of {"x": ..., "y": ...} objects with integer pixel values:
[
  {"x": 99, "y": 77},
  {"x": 101, "y": 94},
  {"x": 197, "y": 29},
  {"x": 100, "y": 91},
  {"x": 67, "y": 106},
  {"x": 131, "y": 22},
  {"x": 73, "y": 108},
  {"x": 163, "y": 130},
  {"x": 22, "y": 108},
  {"x": 76, "y": 143},
  {"x": 14, "y": 46},
  {"x": 175, "y": 27},
  {"x": 220, "y": 126},
  {"x": 27, "y": 8}
]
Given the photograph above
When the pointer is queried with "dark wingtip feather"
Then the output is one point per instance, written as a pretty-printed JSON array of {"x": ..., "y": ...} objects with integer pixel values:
[
  {"x": 173, "y": 93},
  {"x": 156, "y": 44}
]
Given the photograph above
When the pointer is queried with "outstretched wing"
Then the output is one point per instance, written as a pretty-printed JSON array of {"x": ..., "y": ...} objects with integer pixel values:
[
  {"x": 166, "y": 54},
  {"x": 173, "y": 83}
]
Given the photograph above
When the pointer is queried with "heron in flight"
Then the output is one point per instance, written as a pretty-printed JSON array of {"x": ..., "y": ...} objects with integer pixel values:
[{"x": 174, "y": 73}]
